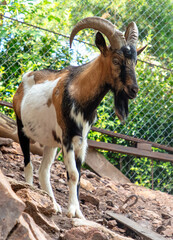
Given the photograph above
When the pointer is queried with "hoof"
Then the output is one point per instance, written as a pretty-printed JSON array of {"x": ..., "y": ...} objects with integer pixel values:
[
  {"x": 74, "y": 211},
  {"x": 57, "y": 207}
]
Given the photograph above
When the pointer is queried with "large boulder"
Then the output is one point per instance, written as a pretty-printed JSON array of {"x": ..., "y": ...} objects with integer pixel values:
[{"x": 11, "y": 207}]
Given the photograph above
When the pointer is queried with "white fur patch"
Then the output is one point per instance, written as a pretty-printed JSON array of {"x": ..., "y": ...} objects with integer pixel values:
[
  {"x": 73, "y": 204},
  {"x": 44, "y": 174},
  {"x": 128, "y": 47},
  {"x": 38, "y": 117},
  {"x": 28, "y": 170},
  {"x": 28, "y": 81}
]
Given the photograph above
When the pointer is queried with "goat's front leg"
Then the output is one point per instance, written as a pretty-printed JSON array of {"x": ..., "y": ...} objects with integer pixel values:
[{"x": 73, "y": 179}]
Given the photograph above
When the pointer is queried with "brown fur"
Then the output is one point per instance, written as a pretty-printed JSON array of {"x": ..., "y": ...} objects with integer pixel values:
[
  {"x": 86, "y": 85},
  {"x": 57, "y": 97},
  {"x": 49, "y": 102},
  {"x": 41, "y": 76},
  {"x": 17, "y": 99},
  {"x": 97, "y": 73}
]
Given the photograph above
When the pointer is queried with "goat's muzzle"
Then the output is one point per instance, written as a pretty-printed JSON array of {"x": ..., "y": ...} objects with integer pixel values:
[{"x": 131, "y": 91}]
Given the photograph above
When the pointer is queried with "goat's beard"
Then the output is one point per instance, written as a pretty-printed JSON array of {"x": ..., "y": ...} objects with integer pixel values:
[{"x": 121, "y": 105}]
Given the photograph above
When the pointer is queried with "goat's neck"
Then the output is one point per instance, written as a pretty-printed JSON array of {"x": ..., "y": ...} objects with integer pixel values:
[{"x": 90, "y": 86}]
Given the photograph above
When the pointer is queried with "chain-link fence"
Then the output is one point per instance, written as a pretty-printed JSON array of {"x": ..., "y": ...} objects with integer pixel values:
[{"x": 36, "y": 35}]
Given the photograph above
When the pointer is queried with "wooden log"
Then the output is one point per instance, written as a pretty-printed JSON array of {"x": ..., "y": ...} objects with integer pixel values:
[
  {"x": 99, "y": 164},
  {"x": 140, "y": 230}
]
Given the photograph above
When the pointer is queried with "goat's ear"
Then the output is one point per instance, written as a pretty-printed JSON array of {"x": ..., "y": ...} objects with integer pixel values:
[
  {"x": 100, "y": 43},
  {"x": 139, "y": 50}
]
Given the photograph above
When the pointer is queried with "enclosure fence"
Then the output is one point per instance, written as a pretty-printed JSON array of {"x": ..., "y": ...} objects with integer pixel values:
[{"x": 26, "y": 46}]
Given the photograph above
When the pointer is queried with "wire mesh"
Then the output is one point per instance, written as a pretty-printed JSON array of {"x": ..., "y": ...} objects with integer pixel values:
[{"x": 26, "y": 47}]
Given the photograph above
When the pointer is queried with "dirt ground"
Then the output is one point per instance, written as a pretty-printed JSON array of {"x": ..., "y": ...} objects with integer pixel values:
[{"x": 151, "y": 209}]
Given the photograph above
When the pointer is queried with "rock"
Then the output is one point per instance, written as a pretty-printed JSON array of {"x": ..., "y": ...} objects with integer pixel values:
[
  {"x": 153, "y": 209},
  {"x": 160, "y": 229},
  {"x": 112, "y": 224},
  {"x": 151, "y": 214},
  {"x": 27, "y": 229},
  {"x": 17, "y": 147},
  {"x": 100, "y": 221},
  {"x": 89, "y": 198},
  {"x": 165, "y": 216},
  {"x": 85, "y": 184},
  {"x": 112, "y": 186},
  {"x": 110, "y": 203},
  {"x": 84, "y": 232},
  {"x": 11, "y": 207},
  {"x": 36, "y": 201},
  {"x": 40, "y": 208},
  {"x": 168, "y": 232},
  {"x": 108, "y": 233},
  {"x": 8, "y": 150},
  {"x": 17, "y": 185},
  {"x": 102, "y": 191},
  {"x": 91, "y": 175},
  {"x": 1, "y": 156},
  {"x": 11, "y": 175},
  {"x": 5, "y": 142},
  {"x": 61, "y": 181},
  {"x": 102, "y": 206}
]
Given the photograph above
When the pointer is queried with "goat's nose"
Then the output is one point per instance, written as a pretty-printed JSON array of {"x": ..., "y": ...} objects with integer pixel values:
[{"x": 133, "y": 90}]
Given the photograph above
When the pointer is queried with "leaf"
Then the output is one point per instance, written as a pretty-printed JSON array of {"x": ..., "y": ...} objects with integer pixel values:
[{"x": 51, "y": 17}]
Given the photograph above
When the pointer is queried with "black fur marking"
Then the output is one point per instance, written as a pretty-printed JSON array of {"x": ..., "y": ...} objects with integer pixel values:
[
  {"x": 24, "y": 142},
  {"x": 121, "y": 104},
  {"x": 129, "y": 53},
  {"x": 68, "y": 178},
  {"x": 88, "y": 110},
  {"x": 67, "y": 142},
  {"x": 78, "y": 166},
  {"x": 123, "y": 73},
  {"x": 31, "y": 127},
  {"x": 56, "y": 138}
]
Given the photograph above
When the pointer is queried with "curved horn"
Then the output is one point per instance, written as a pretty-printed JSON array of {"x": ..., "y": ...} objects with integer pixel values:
[
  {"x": 131, "y": 34},
  {"x": 115, "y": 37}
]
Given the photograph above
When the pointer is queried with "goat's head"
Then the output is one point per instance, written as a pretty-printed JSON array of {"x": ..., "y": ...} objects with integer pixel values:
[{"x": 119, "y": 59}]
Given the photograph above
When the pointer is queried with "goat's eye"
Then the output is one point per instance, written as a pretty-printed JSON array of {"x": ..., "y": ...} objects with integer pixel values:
[{"x": 115, "y": 61}]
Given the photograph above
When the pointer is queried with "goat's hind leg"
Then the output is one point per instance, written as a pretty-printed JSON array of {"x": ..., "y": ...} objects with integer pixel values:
[
  {"x": 24, "y": 143},
  {"x": 44, "y": 174}
]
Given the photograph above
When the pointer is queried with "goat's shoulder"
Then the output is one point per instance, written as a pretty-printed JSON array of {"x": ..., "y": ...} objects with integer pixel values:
[{"x": 44, "y": 75}]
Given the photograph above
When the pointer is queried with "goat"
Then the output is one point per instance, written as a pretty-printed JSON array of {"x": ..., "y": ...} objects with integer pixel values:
[{"x": 57, "y": 108}]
